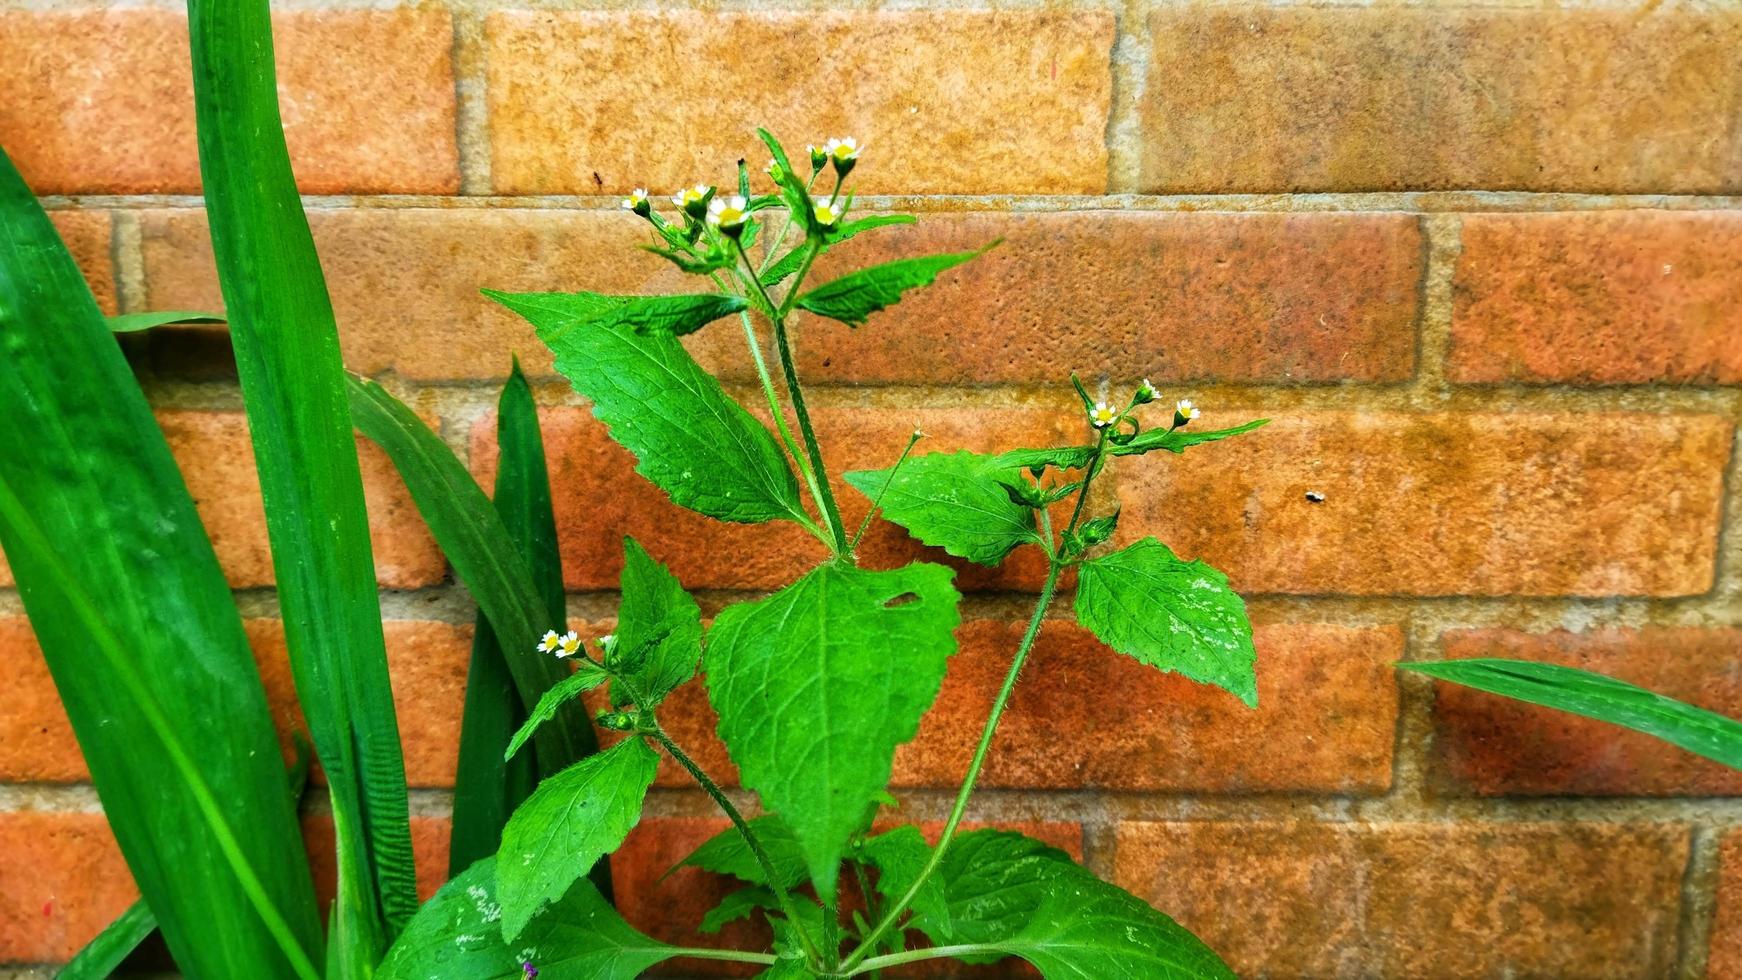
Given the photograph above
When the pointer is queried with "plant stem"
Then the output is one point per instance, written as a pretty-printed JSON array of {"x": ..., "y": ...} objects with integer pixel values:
[
  {"x": 713, "y": 789},
  {"x": 853, "y": 544},
  {"x": 735, "y": 955},
  {"x": 979, "y": 760},
  {"x": 916, "y": 955},
  {"x": 1088, "y": 478}
]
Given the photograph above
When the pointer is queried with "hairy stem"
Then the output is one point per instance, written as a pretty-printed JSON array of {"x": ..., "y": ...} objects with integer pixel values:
[
  {"x": 735, "y": 955},
  {"x": 866, "y": 523}
]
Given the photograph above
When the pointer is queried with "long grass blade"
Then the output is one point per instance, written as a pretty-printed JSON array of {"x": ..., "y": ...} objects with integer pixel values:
[
  {"x": 103, "y": 955},
  {"x": 287, "y": 359},
  {"x": 138, "y": 626},
  {"x": 484, "y": 554}
]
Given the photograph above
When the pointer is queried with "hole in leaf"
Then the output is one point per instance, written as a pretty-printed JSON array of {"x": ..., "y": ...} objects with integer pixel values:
[{"x": 901, "y": 600}]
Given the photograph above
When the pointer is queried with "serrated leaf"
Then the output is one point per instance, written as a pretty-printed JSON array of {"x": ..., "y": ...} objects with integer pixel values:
[
  {"x": 573, "y": 686},
  {"x": 740, "y": 904},
  {"x": 817, "y": 684},
  {"x": 689, "y": 438},
  {"x": 859, "y": 226},
  {"x": 727, "y": 853},
  {"x": 1086, "y": 929},
  {"x": 1059, "y": 457},
  {"x": 456, "y": 936},
  {"x": 899, "y": 856},
  {"x": 689, "y": 263},
  {"x": 678, "y": 315},
  {"x": 659, "y": 630},
  {"x": 856, "y": 295},
  {"x": 1177, "y": 615},
  {"x": 1177, "y": 440},
  {"x": 1581, "y": 692},
  {"x": 955, "y": 501},
  {"x": 572, "y": 820}
]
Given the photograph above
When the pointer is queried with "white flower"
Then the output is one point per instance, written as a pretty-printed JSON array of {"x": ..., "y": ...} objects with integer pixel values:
[
  {"x": 571, "y": 644},
  {"x": 1145, "y": 392},
  {"x": 842, "y": 150},
  {"x": 1102, "y": 415},
  {"x": 818, "y": 157},
  {"x": 637, "y": 200},
  {"x": 1184, "y": 411},
  {"x": 690, "y": 195},
  {"x": 550, "y": 642},
  {"x": 827, "y": 212},
  {"x": 728, "y": 212}
]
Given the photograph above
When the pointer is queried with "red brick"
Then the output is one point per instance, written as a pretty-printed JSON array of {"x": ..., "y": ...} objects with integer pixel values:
[
  {"x": 1605, "y": 297},
  {"x": 429, "y": 849},
  {"x": 956, "y": 101},
  {"x": 1494, "y": 746},
  {"x": 1326, "y": 718},
  {"x": 405, "y": 281},
  {"x": 62, "y": 879},
  {"x": 1418, "y": 900},
  {"x": 1234, "y": 297},
  {"x": 86, "y": 235},
  {"x": 1260, "y": 97},
  {"x": 599, "y": 499},
  {"x": 101, "y": 101},
  {"x": 1444, "y": 504},
  {"x": 427, "y": 660},
  {"x": 1725, "y": 960}
]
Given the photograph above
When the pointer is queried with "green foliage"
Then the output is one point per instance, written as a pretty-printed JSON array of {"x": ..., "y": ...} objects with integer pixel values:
[
  {"x": 954, "y": 501},
  {"x": 852, "y": 298},
  {"x": 867, "y": 650},
  {"x": 102, "y": 956},
  {"x": 561, "y": 694},
  {"x": 456, "y": 936},
  {"x": 1177, "y": 615},
  {"x": 1592, "y": 695},
  {"x": 572, "y": 820},
  {"x": 659, "y": 632},
  {"x": 690, "y": 439},
  {"x": 740, "y": 904},
  {"x": 728, "y": 853},
  {"x": 133, "y": 322},
  {"x": 138, "y": 627},
  {"x": 1178, "y": 440},
  {"x": 293, "y": 386}
]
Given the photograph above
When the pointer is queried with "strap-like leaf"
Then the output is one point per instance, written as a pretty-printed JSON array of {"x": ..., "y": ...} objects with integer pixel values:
[
  {"x": 1592, "y": 695},
  {"x": 855, "y": 296},
  {"x": 1177, "y": 440},
  {"x": 103, "y": 955},
  {"x": 131, "y": 322}
]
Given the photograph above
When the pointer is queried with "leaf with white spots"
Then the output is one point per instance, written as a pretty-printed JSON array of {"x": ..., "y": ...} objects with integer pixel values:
[{"x": 1145, "y": 602}]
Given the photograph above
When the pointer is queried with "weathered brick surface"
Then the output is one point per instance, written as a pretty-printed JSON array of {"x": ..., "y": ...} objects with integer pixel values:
[
  {"x": 101, "y": 101},
  {"x": 1604, "y": 297},
  {"x": 1725, "y": 959},
  {"x": 599, "y": 498},
  {"x": 1388, "y": 97},
  {"x": 1234, "y": 297},
  {"x": 427, "y": 660},
  {"x": 1444, "y": 504},
  {"x": 957, "y": 101},
  {"x": 1489, "y": 745},
  {"x": 405, "y": 282},
  {"x": 1425, "y": 901},
  {"x": 62, "y": 880},
  {"x": 86, "y": 235}
]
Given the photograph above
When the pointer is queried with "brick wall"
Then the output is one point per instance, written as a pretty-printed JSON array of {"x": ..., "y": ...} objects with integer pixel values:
[{"x": 1482, "y": 264}]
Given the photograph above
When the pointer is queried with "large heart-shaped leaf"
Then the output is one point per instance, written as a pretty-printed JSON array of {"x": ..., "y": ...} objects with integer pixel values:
[{"x": 817, "y": 684}]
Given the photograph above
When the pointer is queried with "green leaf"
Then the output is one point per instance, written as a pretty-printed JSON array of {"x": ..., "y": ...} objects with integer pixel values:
[
  {"x": 1059, "y": 457},
  {"x": 293, "y": 387},
  {"x": 727, "y": 853},
  {"x": 1177, "y": 440},
  {"x": 103, "y": 955},
  {"x": 476, "y": 540},
  {"x": 856, "y": 295},
  {"x": 1085, "y": 929},
  {"x": 572, "y": 820},
  {"x": 899, "y": 856},
  {"x": 131, "y": 322},
  {"x": 584, "y": 679},
  {"x": 456, "y": 937},
  {"x": 740, "y": 904},
  {"x": 817, "y": 684},
  {"x": 792, "y": 187},
  {"x": 659, "y": 631},
  {"x": 859, "y": 226},
  {"x": 954, "y": 501},
  {"x": 691, "y": 264},
  {"x": 1177, "y": 615},
  {"x": 1581, "y": 692},
  {"x": 112, "y": 563},
  {"x": 676, "y": 315},
  {"x": 691, "y": 440}
]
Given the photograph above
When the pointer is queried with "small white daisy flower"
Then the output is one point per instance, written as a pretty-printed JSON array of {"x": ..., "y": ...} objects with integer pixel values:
[
  {"x": 828, "y": 213},
  {"x": 571, "y": 644},
  {"x": 550, "y": 642},
  {"x": 690, "y": 195},
  {"x": 1145, "y": 392},
  {"x": 1102, "y": 415},
  {"x": 1184, "y": 411},
  {"x": 728, "y": 213},
  {"x": 842, "y": 150},
  {"x": 818, "y": 156},
  {"x": 637, "y": 201}
]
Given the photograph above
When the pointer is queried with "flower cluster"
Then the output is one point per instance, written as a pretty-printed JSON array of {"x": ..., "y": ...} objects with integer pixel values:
[
  {"x": 1102, "y": 414},
  {"x": 562, "y": 645}
]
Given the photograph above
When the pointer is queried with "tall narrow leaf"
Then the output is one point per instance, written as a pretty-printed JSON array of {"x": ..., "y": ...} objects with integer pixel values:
[
  {"x": 98, "y": 509},
  {"x": 293, "y": 386}
]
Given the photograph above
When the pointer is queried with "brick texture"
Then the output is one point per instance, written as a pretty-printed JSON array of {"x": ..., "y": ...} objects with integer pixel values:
[
  {"x": 1425, "y": 901},
  {"x": 1604, "y": 297},
  {"x": 1258, "y": 98},
  {"x": 1495, "y": 746},
  {"x": 101, "y": 101},
  {"x": 61, "y": 881},
  {"x": 86, "y": 235},
  {"x": 1169, "y": 296},
  {"x": 961, "y": 101},
  {"x": 1445, "y": 504},
  {"x": 1725, "y": 959}
]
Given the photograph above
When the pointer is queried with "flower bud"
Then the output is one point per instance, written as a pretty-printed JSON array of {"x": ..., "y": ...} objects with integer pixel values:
[
  {"x": 818, "y": 157},
  {"x": 637, "y": 202},
  {"x": 1145, "y": 393},
  {"x": 774, "y": 172},
  {"x": 1183, "y": 412}
]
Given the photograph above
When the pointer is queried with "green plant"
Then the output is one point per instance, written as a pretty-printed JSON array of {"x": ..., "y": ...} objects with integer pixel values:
[{"x": 816, "y": 684}]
